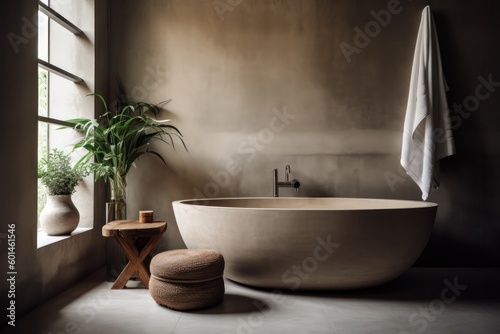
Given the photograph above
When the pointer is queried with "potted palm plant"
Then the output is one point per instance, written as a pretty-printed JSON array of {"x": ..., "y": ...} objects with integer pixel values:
[
  {"x": 59, "y": 215},
  {"x": 115, "y": 140}
]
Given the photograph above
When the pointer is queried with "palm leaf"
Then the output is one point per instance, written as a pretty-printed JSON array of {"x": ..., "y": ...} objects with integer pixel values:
[{"x": 119, "y": 137}]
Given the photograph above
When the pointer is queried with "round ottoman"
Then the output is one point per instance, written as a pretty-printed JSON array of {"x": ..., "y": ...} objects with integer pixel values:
[{"x": 187, "y": 279}]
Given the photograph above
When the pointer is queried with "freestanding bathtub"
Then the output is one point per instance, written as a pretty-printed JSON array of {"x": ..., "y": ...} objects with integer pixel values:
[{"x": 309, "y": 243}]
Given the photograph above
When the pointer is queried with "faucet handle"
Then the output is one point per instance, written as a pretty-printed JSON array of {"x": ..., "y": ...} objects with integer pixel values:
[{"x": 287, "y": 173}]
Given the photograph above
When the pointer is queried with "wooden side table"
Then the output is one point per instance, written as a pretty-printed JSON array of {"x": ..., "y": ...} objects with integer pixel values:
[{"x": 126, "y": 232}]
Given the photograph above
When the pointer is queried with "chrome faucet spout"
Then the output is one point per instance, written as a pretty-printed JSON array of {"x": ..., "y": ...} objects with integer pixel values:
[
  {"x": 277, "y": 184},
  {"x": 287, "y": 173}
]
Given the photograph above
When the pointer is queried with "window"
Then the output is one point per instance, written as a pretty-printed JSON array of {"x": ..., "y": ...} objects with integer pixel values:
[{"x": 66, "y": 65}]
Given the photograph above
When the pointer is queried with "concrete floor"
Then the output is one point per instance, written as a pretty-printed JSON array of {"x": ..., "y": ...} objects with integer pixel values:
[{"x": 423, "y": 300}]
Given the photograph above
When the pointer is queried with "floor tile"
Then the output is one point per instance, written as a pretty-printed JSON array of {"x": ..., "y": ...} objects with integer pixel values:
[{"x": 423, "y": 300}]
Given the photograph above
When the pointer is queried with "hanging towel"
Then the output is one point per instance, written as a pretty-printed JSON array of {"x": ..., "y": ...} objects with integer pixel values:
[{"x": 427, "y": 135}]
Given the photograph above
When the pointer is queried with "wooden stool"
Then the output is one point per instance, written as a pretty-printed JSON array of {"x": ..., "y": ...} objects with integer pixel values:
[
  {"x": 126, "y": 232},
  {"x": 187, "y": 279}
]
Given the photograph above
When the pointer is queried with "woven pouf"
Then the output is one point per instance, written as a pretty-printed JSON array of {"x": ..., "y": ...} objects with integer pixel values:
[{"x": 187, "y": 279}]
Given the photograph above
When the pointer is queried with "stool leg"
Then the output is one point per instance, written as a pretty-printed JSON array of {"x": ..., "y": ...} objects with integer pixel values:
[
  {"x": 132, "y": 254},
  {"x": 135, "y": 261},
  {"x": 144, "y": 271},
  {"x": 122, "y": 279}
]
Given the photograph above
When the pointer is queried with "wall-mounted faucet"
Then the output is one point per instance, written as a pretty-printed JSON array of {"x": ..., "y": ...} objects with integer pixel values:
[{"x": 276, "y": 184}]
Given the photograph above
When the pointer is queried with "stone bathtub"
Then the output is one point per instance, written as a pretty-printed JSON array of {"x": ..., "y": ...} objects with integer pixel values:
[{"x": 309, "y": 243}]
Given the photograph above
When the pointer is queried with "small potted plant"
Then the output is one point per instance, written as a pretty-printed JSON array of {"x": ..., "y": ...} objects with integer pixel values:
[{"x": 60, "y": 178}]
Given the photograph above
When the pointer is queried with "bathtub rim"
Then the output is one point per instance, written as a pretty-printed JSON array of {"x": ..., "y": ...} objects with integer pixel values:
[{"x": 200, "y": 203}]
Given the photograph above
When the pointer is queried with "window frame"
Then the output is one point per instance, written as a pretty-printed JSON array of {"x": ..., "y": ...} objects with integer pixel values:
[{"x": 56, "y": 17}]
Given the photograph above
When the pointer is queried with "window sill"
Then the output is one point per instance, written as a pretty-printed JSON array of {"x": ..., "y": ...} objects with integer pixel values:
[{"x": 44, "y": 240}]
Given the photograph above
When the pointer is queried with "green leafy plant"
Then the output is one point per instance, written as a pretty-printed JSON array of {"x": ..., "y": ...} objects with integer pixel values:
[
  {"x": 121, "y": 136},
  {"x": 58, "y": 175},
  {"x": 115, "y": 140}
]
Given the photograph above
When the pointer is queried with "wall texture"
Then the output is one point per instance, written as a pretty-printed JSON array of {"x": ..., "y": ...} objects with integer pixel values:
[{"x": 320, "y": 85}]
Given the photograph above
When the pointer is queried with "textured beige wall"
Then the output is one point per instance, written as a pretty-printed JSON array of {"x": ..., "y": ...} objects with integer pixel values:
[{"x": 257, "y": 84}]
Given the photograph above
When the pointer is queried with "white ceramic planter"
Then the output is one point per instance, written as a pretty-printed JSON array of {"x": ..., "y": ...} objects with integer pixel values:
[{"x": 59, "y": 216}]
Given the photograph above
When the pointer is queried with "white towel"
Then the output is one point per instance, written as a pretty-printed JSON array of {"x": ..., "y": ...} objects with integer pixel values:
[{"x": 427, "y": 135}]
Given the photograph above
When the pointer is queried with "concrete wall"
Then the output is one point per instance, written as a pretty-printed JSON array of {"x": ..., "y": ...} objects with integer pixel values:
[
  {"x": 256, "y": 85},
  {"x": 42, "y": 272}
]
